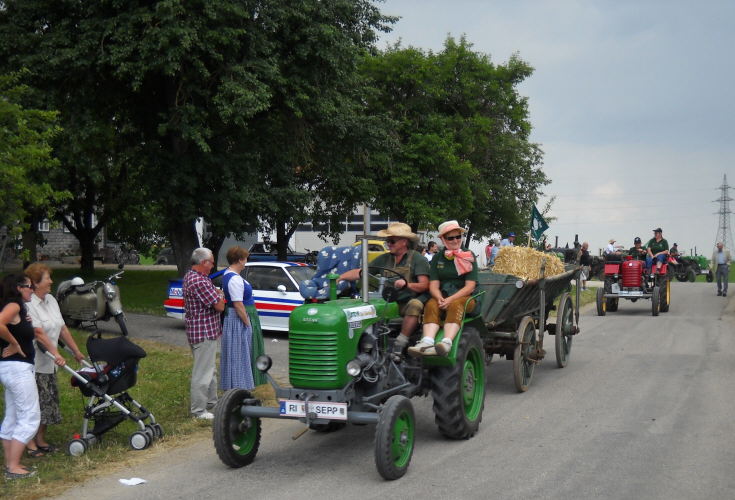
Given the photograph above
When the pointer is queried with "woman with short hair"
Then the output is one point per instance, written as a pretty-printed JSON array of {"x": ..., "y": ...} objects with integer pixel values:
[
  {"x": 22, "y": 414},
  {"x": 49, "y": 326},
  {"x": 242, "y": 339}
]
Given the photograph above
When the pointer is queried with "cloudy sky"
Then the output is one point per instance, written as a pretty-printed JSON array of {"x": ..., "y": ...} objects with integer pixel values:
[{"x": 631, "y": 101}]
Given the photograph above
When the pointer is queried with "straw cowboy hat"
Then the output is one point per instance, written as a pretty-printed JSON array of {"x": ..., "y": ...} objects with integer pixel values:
[
  {"x": 450, "y": 225},
  {"x": 612, "y": 240},
  {"x": 398, "y": 230}
]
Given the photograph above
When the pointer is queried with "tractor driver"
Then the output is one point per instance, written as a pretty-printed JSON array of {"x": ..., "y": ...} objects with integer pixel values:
[
  {"x": 402, "y": 259},
  {"x": 637, "y": 250},
  {"x": 657, "y": 249}
]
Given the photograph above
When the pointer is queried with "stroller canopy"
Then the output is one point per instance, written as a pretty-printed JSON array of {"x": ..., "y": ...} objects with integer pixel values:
[{"x": 114, "y": 351}]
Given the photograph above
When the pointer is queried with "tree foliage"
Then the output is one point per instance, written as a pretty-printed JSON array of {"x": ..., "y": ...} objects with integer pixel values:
[
  {"x": 463, "y": 134},
  {"x": 25, "y": 156}
]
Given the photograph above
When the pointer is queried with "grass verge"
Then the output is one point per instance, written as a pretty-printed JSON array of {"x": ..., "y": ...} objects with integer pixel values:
[{"x": 162, "y": 387}]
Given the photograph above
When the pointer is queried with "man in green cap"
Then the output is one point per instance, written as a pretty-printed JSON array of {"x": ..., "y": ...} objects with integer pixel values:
[{"x": 657, "y": 249}]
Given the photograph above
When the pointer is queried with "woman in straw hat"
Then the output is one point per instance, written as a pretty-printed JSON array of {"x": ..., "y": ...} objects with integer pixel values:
[{"x": 452, "y": 279}]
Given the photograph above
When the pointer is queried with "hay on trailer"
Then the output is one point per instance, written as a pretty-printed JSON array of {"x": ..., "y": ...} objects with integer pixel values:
[{"x": 525, "y": 263}]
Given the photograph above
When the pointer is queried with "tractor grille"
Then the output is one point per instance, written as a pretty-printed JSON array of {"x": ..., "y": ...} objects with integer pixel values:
[
  {"x": 632, "y": 273},
  {"x": 313, "y": 359}
]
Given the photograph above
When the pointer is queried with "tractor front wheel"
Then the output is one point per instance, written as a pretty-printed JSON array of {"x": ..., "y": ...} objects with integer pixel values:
[
  {"x": 394, "y": 437},
  {"x": 601, "y": 302},
  {"x": 655, "y": 300},
  {"x": 459, "y": 390},
  {"x": 236, "y": 438}
]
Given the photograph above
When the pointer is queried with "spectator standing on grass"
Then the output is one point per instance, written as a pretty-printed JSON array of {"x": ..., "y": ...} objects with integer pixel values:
[
  {"x": 721, "y": 262},
  {"x": 48, "y": 325},
  {"x": 22, "y": 414},
  {"x": 203, "y": 304}
]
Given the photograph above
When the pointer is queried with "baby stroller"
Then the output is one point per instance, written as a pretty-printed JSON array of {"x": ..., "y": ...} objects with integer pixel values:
[{"x": 105, "y": 381}]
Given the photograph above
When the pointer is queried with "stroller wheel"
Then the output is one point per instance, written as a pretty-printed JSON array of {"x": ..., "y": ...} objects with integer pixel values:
[
  {"x": 139, "y": 440},
  {"x": 158, "y": 430},
  {"x": 77, "y": 447}
]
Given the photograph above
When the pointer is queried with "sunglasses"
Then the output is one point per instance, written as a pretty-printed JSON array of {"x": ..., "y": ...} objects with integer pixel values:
[
  {"x": 451, "y": 238},
  {"x": 392, "y": 241},
  {"x": 23, "y": 285}
]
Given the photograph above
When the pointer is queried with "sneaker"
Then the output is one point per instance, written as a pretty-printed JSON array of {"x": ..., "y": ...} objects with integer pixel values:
[
  {"x": 724, "y": 294},
  {"x": 420, "y": 349},
  {"x": 205, "y": 416},
  {"x": 442, "y": 348},
  {"x": 719, "y": 294}
]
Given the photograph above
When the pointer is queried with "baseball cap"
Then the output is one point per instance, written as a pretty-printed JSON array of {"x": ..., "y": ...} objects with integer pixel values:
[
  {"x": 637, "y": 240},
  {"x": 658, "y": 230},
  {"x": 511, "y": 234}
]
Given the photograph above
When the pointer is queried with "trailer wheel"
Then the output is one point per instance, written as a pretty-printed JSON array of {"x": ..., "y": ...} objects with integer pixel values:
[
  {"x": 655, "y": 300},
  {"x": 394, "y": 437},
  {"x": 459, "y": 390},
  {"x": 523, "y": 364},
  {"x": 564, "y": 330},
  {"x": 236, "y": 438},
  {"x": 601, "y": 303}
]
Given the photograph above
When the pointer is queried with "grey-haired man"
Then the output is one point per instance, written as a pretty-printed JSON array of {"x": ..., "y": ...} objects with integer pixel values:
[{"x": 721, "y": 263}]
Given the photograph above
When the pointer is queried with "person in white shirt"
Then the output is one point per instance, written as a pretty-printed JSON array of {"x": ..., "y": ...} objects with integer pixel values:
[
  {"x": 611, "y": 248},
  {"x": 509, "y": 240},
  {"x": 721, "y": 264},
  {"x": 48, "y": 326}
]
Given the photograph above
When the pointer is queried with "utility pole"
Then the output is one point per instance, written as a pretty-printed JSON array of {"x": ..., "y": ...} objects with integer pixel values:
[{"x": 724, "y": 233}]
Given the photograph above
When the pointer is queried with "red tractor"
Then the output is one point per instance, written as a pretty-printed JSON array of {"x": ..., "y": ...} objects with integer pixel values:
[{"x": 626, "y": 278}]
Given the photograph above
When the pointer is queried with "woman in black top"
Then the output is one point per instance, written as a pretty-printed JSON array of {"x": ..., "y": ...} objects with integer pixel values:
[{"x": 22, "y": 413}]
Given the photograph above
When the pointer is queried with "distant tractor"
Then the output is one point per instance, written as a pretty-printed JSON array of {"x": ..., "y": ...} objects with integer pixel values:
[{"x": 627, "y": 279}]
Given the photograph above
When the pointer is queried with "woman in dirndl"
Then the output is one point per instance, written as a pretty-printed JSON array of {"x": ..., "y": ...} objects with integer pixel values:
[{"x": 242, "y": 339}]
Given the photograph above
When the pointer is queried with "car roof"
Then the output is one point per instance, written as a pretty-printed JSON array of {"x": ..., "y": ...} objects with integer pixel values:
[{"x": 276, "y": 264}]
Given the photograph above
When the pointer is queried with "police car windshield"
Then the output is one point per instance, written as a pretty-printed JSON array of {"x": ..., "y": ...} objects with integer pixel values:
[{"x": 301, "y": 273}]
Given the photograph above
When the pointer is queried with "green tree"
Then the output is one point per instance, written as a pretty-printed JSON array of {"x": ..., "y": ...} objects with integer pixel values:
[
  {"x": 463, "y": 131},
  {"x": 25, "y": 158}
]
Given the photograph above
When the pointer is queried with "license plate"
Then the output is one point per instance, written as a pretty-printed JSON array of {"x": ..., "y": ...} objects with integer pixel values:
[
  {"x": 615, "y": 288},
  {"x": 632, "y": 293},
  {"x": 328, "y": 410}
]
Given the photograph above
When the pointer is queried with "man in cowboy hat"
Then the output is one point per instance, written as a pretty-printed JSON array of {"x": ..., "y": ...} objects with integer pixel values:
[
  {"x": 611, "y": 248},
  {"x": 657, "y": 249},
  {"x": 409, "y": 263}
]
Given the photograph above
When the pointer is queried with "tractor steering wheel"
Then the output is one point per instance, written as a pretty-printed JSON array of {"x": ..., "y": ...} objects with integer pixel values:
[{"x": 390, "y": 293}]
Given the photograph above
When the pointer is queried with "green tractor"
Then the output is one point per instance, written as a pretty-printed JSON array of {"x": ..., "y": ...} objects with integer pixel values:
[
  {"x": 341, "y": 370},
  {"x": 698, "y": 264}
]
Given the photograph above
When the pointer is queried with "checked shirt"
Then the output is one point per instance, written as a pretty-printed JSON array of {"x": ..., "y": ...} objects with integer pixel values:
[{"x": 201, "y": 320}]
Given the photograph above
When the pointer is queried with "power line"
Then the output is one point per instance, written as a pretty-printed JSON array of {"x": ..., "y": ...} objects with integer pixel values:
[{"x": 724, "y": 233}]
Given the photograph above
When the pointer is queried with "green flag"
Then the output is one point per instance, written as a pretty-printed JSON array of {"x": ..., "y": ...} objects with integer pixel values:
[{"x": 538, "y": 224}]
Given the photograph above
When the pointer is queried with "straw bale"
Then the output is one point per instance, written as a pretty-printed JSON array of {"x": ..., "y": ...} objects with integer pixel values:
[{"x": 525, "y": 263}]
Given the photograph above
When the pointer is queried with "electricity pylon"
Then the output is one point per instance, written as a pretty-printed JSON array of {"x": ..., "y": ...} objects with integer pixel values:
[{"x": 724, "y": 233}]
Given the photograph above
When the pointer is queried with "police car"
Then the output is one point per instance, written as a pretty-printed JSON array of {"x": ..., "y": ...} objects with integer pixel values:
[{"x": 275, "y": 290}]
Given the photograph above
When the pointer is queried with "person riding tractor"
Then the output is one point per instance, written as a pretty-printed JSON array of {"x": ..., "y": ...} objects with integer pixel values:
[
  {"x": 403, "y": 260},
  {"x": 657, "y": 249},
  {"x": 637, "y": 251}
]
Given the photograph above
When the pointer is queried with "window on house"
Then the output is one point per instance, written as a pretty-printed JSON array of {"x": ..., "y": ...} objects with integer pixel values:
[{"x": 43, "y": 226}]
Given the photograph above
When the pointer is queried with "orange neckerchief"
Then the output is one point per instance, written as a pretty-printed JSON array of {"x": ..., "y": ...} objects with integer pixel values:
[{"x": 463, "y": 261}]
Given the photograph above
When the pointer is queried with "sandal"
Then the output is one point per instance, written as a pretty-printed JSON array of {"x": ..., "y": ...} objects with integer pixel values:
[
  {"x": 49, "y": 448},
  {"x": 37, "y": 453},
  {"x": 19, "y": 475}
]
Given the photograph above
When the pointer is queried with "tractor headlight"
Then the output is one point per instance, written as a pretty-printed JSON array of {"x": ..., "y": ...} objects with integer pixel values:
[
  {"x": 353, "y": 368},
  {"x": 519, "y": 284},
  {"x": 109, "y": 290},
  {"x": 263, "y": 363}
]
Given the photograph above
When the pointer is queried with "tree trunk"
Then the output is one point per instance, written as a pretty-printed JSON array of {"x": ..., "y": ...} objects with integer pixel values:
[
  {"x": 214, "y": 243},
  {"x": 30, "y": 240},
  {"x": 184, "y": 241},
  {"x": 281, "y": 240},
  {"x": 86, "y": 245}
]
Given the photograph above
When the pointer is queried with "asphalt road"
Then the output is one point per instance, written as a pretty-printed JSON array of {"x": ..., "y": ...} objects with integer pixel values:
[{"x": 643, "y": 410}]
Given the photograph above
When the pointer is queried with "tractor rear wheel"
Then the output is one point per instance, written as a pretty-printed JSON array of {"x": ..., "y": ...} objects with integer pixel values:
[
  {"x": 394, "y": 437},
  {"x": 601, "y": 302},
  {"x": 564, "y": 332},
  {"x": 236, "y": 438},
  {"x": 459, "y": 390},
  {"x": 523, "y": 362}
]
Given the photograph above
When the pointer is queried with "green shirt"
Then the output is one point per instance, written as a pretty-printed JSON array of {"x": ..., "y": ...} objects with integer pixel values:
[
  {"x": 419, "y": 267},
  {"x": 444, "y": 270},
  {"x": 657, "y": 246},
  {"x": 636, "y": 254}
]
